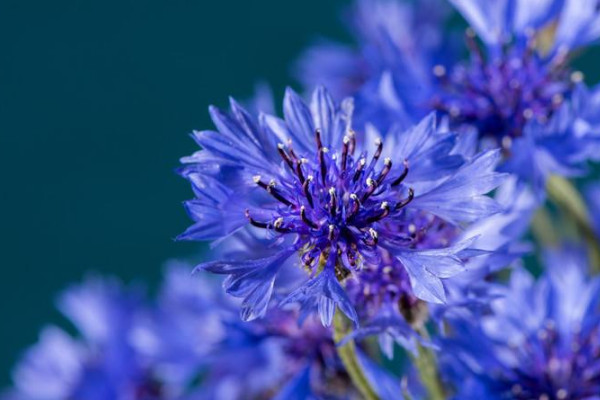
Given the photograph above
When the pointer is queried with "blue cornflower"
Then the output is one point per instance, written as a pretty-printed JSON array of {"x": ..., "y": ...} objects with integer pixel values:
[
  {"x": 344, "y": 206},
  {"x": 519, "y": 90},
  {"x": 539, "y": 342},
  {"x": 103, "y": 364}
]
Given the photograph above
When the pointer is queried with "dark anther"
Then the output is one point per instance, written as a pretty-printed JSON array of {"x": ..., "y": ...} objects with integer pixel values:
[
  {"x": 318, "y": 138},
  {"x": 306, "y": 191},
  {"x": 385, "y": 211},
  {"x": 322, "y": 152},
  {"x": 305, "y": 219},
  {"x": 387, "y": 166},
  {"x": 352, "y": 145},
  {"x": 359, "y": 169},
  {"x": 283, "y": 154},
  {"x": 405, "y": 202},
  {"x": 379, "y": 149},
  {"x": 401, "y": 178},
  {"x": 345, "y": 153},
  {"x": 332, "y": 202},
  {"x": 299, "y": 170},
  {"x": 371, "y": 186},
  {"x": 255, "y": 222},
  {"x": 376, "y": 156},
  {"x": 270, "y": 188},
  {"x": 355, "y": 206}
]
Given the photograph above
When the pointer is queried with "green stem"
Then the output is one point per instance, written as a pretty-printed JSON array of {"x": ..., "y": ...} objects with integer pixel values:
[
  {"x": 426, "y": 364},
  {"x": 347, "y": 353},
  {"x": 567, "y": 198}
]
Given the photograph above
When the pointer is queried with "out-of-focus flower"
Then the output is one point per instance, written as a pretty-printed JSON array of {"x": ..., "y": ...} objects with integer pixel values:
[
  {"x": 188, "y": 345},
  {"x": 372, "y": 225},
  {"x": 519, "y": 90},
  {"x": 539, "y": 342},
  {"x": 399, "y": 43},
  {"x": 102, "y": 364}
]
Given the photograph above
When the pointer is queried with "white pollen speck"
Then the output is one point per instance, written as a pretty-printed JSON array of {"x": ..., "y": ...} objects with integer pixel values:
[
  {"x": 362, "y": 161},
  {"x": 439, "y": 70},
  {"x": 373, "y": 233},
  {"x": 528, "y": 113},
  {"x": 558, "y": 98},
  {"x": 325, "y": 150},
  {"x": 332, "y": 191},
  {"x": 385, "y": 205},
  {"x": 412, "y": 228},
  {"x": 278, "y": 222},
  {"x": 280, "y": 146},
  {"x": 377, "y": 141},
  {"x": 346, "y": 140},
  {"x": 387, "y": 161},
  {"x": 272, "y": 182},
  {"x": 310, "y": 178},
  {"x": 577, "y": 77},
  {"x": 353, "y": 196},
  {"x": 562, "y": 394},
  {"x": 387, "y": 269},
  {"x": 256, "y": 178},
  {"x": 370, "y": 182}
]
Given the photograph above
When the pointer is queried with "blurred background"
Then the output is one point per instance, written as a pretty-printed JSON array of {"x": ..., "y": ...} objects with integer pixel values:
[{"x": 96, "y": 102}]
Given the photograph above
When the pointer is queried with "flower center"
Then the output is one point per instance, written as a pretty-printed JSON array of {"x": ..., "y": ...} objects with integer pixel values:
[
  {"x": 554, "y": 367},
  {"x": 334, "y": 202},
  {"x": 499, "y": 96}
]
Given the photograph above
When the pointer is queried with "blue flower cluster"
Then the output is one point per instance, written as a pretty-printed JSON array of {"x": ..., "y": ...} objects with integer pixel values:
[
  {"x": 188, "y": 344},
  {"x": 399, "y": 205}
]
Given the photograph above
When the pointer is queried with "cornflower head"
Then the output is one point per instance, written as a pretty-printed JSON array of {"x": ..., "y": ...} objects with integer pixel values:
[
  {"x": 517, "y": 91},
  {"x": 518, "y": 88},
  {"x": 539, "y": 342},
  {"x": 367, "y": 223},
  {"x": 100, "y": 365}
]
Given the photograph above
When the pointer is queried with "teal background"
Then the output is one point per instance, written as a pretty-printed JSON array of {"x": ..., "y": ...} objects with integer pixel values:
[{"x": 96, "y": 102}]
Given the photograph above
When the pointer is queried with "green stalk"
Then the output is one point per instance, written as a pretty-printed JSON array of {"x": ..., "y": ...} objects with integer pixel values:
[
  {"x": 426, "y": 364},
  {"x": 347, "y": 353},
  {"x": 567, "y": 198}
]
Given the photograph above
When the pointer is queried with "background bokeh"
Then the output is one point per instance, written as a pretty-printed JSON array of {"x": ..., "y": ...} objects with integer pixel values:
[{"x": 96, "y": 100}]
